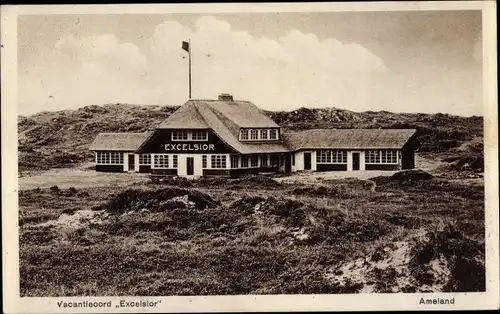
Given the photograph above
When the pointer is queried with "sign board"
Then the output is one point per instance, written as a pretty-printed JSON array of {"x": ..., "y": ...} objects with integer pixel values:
[{"x": 188, "y": 147}]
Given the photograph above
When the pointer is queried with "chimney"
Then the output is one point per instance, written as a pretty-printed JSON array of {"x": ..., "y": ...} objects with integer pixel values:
[{"x": 225, "y": 97}]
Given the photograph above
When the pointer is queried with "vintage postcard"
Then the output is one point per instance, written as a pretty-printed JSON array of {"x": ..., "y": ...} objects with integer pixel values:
[{"x": 250, "y": 157}]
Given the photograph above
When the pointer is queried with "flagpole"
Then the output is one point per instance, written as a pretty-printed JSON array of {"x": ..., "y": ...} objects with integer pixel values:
[{"x": 189, "y": 41}]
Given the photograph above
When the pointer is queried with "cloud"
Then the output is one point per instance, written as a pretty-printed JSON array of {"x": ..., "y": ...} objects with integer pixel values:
[
  {"x": 286, "y": 72},
  {"x": 295, "y": 69},
  {"x": 81, "y": 71}
]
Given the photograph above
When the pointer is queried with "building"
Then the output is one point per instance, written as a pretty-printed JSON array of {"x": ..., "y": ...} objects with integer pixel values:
[
  {"x": 231, "y": 137},
  {"x": 352, "y": 149}
]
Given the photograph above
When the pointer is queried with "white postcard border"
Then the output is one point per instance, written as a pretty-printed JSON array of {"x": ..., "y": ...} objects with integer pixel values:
[{"x": 401, "y": 301}]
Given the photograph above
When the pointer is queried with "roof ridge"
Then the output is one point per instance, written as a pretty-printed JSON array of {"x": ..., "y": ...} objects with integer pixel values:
[
  {"x": 214, "y": 128},
  {"x": 347, "y": 129},
  {"x": 201, "y": 115},
  {"x": 114, "y": 133},
  {"x": 217, "y": 100}
]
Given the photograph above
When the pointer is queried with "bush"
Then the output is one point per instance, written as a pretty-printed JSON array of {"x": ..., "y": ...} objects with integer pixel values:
[
  {"x": 247, "y": 203},
  {"x": 54, "y": 189},
  {"x": 411, "y": 175},
  {"x": 464, "y": 256},
  {"x": 133, "y": 199}
]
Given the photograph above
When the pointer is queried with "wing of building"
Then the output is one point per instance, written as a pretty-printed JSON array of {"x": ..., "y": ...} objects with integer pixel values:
[{"x": 232, "y": 137}]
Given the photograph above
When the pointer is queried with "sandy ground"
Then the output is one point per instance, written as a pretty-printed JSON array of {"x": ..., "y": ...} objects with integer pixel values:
[
  {"x": 316, "y": 177},
  {"x": 72, "y": 177},
  {"x": 422, "y": 162},
  {"x": 82, "y": 176}
]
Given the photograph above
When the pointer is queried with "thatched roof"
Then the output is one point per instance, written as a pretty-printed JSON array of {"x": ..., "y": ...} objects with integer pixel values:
[
  {"x": 225, "y": 118},
  {"x": 118, "y": 141},
  {"x": 244, "y": 114},
  {"x": 348, "y": 138},
  {"x": 186, "y": 117}
]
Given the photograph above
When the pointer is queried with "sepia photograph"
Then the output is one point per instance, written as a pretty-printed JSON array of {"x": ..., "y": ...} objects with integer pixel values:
[{"x": 199, "y": 153}]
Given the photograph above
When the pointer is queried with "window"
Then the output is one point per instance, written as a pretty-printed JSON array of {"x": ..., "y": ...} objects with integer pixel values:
[
  {"x": 389, "y": 156},
  {"x": 110, "y": 158},
  {"x": 372, "y": 157},
  {"x": 161, "y": 161},
  {"x": 293, "y": 159},
  {"x": 145, "y": 159},
  {"x": 254, "y": 161},
  {"x": 263, "y": 134},
  {"x": 273, "y": 134},
  {"x": 254, "y": 134},
  {"x": 258, "y": 134},
  {"x": 218, "y": 161},
  {"x": 244, "y": 161},
  {"x": 179, "y": 136},
  {"x": 331, "y": 157},
  {"x": 174, "y": 162},
  {"x": 244, "y": 135},
  {"x": 381, "y": 157},
  {"x": 322, "y": 157},
  {"x": 204, "y": 162},
  {"x": 264, "y": 160},
  {"x": 234, "y": 162},
  {"x": 199, "y": 135},
  {"x": 274, "y": 160}
]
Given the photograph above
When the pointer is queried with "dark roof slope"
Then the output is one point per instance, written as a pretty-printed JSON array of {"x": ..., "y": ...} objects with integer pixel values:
[
  {"x": 118, "y": 141},
  {"x": 348, "y": 138}
]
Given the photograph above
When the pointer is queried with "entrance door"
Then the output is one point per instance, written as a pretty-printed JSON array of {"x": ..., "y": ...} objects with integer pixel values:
[
  {"x": 307, "y": 161},
  {"x": 190, "y": 166},
  {"x": 131, "y": 162},
  {"x": 288, "y": 163},
  {"x": 355, "y": 161}
]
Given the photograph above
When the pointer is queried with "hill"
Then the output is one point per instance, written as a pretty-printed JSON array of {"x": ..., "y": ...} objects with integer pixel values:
[{"x": 61, "y": 138}]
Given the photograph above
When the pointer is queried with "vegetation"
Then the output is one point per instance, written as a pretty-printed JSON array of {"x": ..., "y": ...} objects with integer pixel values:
[{"x": 407, "y": 233}]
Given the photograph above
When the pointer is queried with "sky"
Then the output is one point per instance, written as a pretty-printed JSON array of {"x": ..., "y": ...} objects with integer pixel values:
[{"x": 416, "y": 61}]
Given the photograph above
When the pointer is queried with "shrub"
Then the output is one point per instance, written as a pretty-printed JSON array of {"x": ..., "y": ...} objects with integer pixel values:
[
  {"x": 411, "y": 175},
  {"x": 133, "y": 199},
  {"x": 247, "y": 203},
  {"x": 54, "y": 189},
  {"x": 464, "y": 256}
]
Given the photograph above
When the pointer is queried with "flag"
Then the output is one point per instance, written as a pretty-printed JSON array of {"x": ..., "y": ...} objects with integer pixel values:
[{"x": 185, "y": 46}]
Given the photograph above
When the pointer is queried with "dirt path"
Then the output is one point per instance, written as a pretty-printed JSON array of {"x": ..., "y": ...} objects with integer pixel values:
[{"x": 316, "y": 177}]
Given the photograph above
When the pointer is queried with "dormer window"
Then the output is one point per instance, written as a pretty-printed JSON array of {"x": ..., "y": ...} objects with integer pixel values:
[
  {"x": 259, "y": 134},
  {"x": 254, "y": 134},
  {"x": 244, "y": 135},
  {"x": 263, "y": 134},
  {"x": 273, "y": 134}
]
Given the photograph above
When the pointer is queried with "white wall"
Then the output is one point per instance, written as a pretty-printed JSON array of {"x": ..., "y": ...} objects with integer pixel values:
[
  {"x": 136, "y": 163},
  {"x": 299, "y": 160},
  {"x": 314, "y": 167}
]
